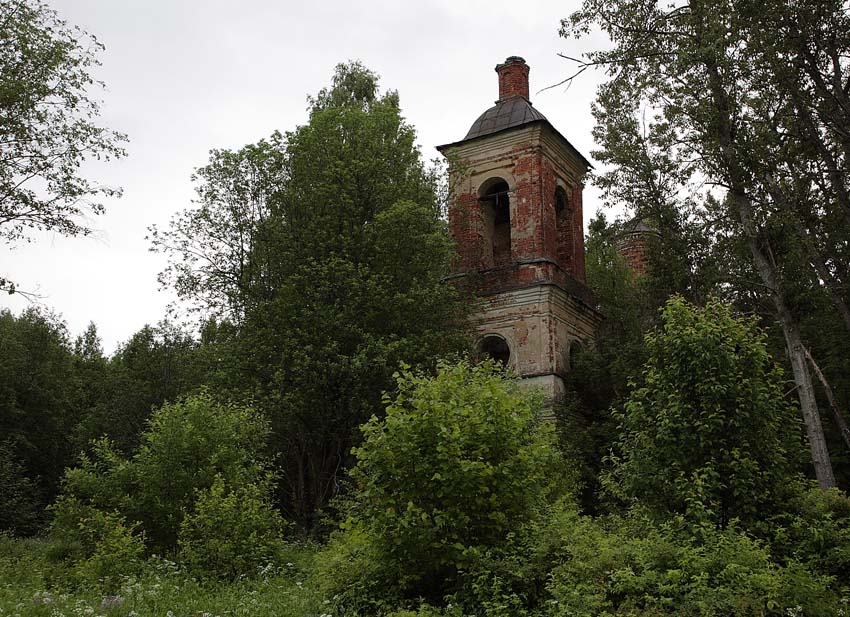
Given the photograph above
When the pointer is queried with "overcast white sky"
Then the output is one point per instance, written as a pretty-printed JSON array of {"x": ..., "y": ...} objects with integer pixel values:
[{"x": 184, "y": 77}]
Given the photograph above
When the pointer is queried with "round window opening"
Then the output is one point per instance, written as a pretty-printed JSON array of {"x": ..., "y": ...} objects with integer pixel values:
[{"x": 495, "y": 348}]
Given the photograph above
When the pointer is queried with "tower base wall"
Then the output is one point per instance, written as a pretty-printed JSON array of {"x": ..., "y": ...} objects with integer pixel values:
[{"x": 541, "y": 324}]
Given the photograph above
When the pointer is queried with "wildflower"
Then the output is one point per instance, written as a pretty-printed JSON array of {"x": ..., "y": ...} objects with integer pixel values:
[
  {"x": 111, "y": 602},
  {"x": 42, "y": 597}
]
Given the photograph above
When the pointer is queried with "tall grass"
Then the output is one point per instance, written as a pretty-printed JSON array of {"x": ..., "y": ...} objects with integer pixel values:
[{"x": 32, "y": 586}]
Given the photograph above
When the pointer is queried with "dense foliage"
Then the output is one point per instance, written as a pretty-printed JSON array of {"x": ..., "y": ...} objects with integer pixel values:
[
  {"x": 198, "y": 478},
  {"x": 723, "y": 115},
  {"x": 315, "y": 260},
  {"x": 459, "y": 463},
  {"x": 460, "y": 503},
  {"x": 399, "y": 546},
  {"x": 47, "y": 125},
  {"x": 232, "y": 531},
  {"x": 709, "y": 435},
  {"x": 39, "y": 408},
  {"x": 632, "y": 567},
  {"x": 325, "y": 249},
  {"x": 57, "y": 396}
]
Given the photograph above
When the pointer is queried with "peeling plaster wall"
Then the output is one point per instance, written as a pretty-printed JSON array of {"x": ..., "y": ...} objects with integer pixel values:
[
  {"x": 538, "y": 302},
  {"x": 533, "y": 163},
  {"x": 540, "y": 323}
]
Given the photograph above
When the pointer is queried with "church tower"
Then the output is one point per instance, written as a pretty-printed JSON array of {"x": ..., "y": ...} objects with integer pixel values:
[{"x": 516, "y": 217}]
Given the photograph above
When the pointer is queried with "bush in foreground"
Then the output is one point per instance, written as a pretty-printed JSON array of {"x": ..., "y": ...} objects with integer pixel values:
[
  {"x": 710, "y": 434},
  {"x": 199, "y": 482},
  {"x": 160, "y": 587},
  {"x": 459, "y": 464},
  {"x": 631, "y": 566},
  {"x": 232, "y": 532}
]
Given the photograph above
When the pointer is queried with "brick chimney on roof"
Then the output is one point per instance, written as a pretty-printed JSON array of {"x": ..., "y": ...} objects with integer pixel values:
[{"x": 513, "y": 78}]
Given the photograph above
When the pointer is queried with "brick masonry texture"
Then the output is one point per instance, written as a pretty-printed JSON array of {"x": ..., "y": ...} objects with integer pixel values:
[
  {"x": 536, "y": 300},
  {"x": 513, "y": 78},
  {"x": 633, "y": 248}
]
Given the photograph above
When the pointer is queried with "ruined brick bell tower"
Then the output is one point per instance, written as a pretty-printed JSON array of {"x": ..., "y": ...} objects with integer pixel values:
[{"x": 516, "y": 217}]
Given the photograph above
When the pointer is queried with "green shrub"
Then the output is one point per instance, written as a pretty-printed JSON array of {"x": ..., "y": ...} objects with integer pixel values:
[
  {"x": 93, "y": 547},
  {"x": 68, "y": 540},
  {"x": 630, "y": 567},
  {"x": 102, "y": 478},
  {"x": 19, "y": 505},
  {"x": 118, "y": 551},
  {"x": 459, "y": 463},
  {"x": 710, "y": 435},
  {"x": 186, "y": 445},
  {"x": 173, "y": 486},
  {"x": 355, "y": 575},
  {"x": 816, "y": 532},
  {"x": 231, "y": 532}
]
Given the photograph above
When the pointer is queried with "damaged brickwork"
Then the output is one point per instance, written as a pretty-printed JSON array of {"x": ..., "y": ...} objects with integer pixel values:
[
  {"x": 633, "y": 245},
  {"x": 515, "y": 174}
]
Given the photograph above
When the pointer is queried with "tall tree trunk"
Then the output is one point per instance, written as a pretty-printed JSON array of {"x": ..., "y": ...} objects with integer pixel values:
[
  {"x": 809, "y": 241},
  {"x": 763, "y": 261},
  {"x": 833, "y": 404},
  {"x": 793, "y": 342}
]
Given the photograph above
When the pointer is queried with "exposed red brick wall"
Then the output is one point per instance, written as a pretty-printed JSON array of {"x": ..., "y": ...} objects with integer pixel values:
[
  {"x": 536, "y": 231},
  {"x": 578, "y": 264},
  {"x": 633, "y": 248},
  {"x": 532, "y": 283},
  {"x": 513, "y": 78},
  {"x": 564, "y": 232}
]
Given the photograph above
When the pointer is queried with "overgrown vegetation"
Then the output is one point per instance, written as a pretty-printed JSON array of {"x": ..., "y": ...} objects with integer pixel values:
[
  {"x": 324, "y": 251},
  {"x": 459, "y": 464},
  {"x": 198, "y": 481},
  {"x": 461, "y": 504},
  {"x": 324, "y": 448}
]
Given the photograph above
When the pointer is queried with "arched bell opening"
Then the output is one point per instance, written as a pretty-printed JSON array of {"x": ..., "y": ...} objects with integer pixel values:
[
  {"x": 573, "y": 354},
  {"x": 495, "y": 348},
  {"x": 563, "y": 226},
  {"x": 494, "y": 196}
]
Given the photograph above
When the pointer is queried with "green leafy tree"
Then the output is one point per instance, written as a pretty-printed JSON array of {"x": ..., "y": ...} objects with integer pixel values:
[
  {"x": 93, "y": 381},
  {"x": 186, "y": 445},
  {"x": 599, "y": 375},
  {"x": 797, "y": 53},
  {"x": 709, "y": 435},
  {"x": 642, "y": 171},
  {"x": 325, "y": 249},
  {"x": 232, "y": 531},
  {"x": 459, "y": 464},
  {"x": 158, "y": 364},
  {"x": 220, "y": 248},
  {"x": 38, "y": 401},
  {"x": 724, "y": 116},
  {"x": 20, "y": 504},
  {"x": 47, "y": 125}
]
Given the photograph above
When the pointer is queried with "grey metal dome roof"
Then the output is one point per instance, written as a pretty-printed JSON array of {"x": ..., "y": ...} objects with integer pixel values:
[
  {"x": 638, "y": 226},
  {"x": 506, "y": 114}
]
